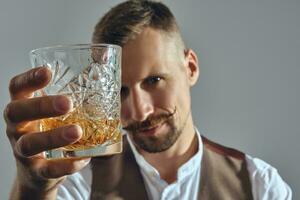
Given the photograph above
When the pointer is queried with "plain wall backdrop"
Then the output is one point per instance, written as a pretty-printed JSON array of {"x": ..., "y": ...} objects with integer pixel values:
[{"x": 248, "y": 93}]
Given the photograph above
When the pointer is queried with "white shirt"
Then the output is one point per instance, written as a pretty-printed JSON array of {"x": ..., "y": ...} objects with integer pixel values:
[{"x": 266, "y": 182}]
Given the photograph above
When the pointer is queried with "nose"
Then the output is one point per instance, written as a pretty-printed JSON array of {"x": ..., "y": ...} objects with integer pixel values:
[{"x": 140, "y": 104}]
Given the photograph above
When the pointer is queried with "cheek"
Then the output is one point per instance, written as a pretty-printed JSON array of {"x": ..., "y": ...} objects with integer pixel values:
[
  {"x": 180, "y": 99},
  {"x": 164, "y": 100},
  {"x": 172, "y": 98}
]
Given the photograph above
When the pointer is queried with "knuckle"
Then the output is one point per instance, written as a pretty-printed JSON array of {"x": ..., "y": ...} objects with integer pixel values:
[
  {"x": 50, "y": 138},
  {"x": 38, "y": 104},
  {"x": 18, "y": 81},
  {"x": 51, "y": 171},
  {"x": 46, "y": 172},
  {"x": 70, "y": 168},
  {"x": 30, "y": 78},
  {"x": 12, "y": 85},
  {"x": 7, "y": 113},
  {"x": 42, "y": 106}
]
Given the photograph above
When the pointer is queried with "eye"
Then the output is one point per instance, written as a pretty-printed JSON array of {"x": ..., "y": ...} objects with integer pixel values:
[{"x": 153, "y": 80}]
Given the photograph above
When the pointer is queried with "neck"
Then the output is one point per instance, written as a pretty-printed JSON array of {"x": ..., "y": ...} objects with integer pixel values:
[{"x": 168, "y": 162}]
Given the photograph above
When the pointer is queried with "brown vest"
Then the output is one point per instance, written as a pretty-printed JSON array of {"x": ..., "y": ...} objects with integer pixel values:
[{"x": 224, "y": 175}]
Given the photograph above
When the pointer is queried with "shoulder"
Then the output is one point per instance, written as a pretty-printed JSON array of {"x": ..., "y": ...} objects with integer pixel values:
[
  {"x": 222, "y": 150},
  {"x": 266, "y": 181}
]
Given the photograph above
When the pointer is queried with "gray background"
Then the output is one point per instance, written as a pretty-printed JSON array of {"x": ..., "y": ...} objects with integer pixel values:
[{"x": 248, "y": 93}]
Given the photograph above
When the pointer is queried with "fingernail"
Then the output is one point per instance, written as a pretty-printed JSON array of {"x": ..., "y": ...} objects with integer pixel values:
[
  {"x": 72, "y": 133},
  {"x": 62, "y": 104}
]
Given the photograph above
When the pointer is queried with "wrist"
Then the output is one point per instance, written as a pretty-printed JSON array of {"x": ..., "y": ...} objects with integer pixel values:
[{"x": 35, "y": 191}]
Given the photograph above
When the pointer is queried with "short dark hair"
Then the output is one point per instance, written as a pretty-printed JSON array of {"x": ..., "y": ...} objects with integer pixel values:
[{"x": 126, "y": 20}]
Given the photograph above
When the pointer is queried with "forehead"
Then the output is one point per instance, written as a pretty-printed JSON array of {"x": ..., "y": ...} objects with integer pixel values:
[{"x": 150, "y": 52}]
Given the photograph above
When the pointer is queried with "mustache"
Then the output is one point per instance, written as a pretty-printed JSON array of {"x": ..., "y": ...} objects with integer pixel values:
[{"x": 150, "y": 122}]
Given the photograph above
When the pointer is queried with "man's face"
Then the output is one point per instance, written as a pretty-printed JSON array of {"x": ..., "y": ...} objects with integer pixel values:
[{"x": 155, "y": 90}]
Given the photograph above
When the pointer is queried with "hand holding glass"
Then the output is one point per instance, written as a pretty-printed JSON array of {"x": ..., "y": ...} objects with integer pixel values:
[{"x": 90, "y": 75}]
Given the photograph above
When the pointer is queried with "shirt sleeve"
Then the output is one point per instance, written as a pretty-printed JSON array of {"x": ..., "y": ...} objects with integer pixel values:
[
  {"x": 75, "y": 187},
  {"x": 267, "y": 184}
]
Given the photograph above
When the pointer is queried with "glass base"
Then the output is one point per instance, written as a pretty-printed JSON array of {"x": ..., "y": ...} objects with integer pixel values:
[{"x": 100, "y": 150}]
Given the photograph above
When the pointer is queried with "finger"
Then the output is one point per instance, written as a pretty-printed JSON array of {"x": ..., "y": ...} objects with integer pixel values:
[
  {"x": 37, "y": 108},
  {"x": 23, "y": 85},
  {"x": 15, "y": 131},
  {"x": 35, "y": 143},
  {"x": 62, "y": 167}
]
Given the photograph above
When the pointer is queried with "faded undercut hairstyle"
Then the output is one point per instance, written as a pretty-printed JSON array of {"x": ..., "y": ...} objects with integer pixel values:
[{"x": 127, "y": 20}]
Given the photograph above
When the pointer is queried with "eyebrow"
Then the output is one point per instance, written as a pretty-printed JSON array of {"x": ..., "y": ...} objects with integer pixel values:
[{"x": 158, "y": 74}]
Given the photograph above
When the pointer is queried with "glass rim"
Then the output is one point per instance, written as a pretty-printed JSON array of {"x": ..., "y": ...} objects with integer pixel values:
[{"x": 75, "y": 46}]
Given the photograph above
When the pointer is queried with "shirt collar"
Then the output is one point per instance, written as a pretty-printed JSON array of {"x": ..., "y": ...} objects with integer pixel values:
[{"x": 188, "y": 168}]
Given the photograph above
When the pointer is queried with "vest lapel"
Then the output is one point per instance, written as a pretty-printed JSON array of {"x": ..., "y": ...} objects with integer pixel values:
[
  {"x": 224, "y": 173},
  {"x": 117, "y": 177}
]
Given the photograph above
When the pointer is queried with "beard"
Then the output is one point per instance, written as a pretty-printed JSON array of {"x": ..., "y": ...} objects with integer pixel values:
[
  {"x": 160, "y": 143},
  {"x": 156, "y": 144}
]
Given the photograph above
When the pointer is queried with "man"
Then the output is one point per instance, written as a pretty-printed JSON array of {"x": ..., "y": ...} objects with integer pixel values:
[{"x": 164, "y": 155}]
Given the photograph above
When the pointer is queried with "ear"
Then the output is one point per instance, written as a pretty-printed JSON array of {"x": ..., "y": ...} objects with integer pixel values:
[{"x": 192, "y": 66}]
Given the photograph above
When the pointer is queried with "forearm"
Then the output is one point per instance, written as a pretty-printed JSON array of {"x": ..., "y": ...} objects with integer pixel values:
[{"x": 20, "y": 191}]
